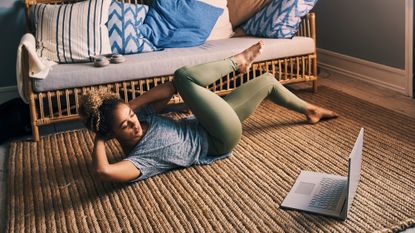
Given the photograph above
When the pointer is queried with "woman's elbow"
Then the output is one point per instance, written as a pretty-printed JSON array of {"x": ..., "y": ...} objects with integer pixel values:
[{"x": 103, "y": 174}]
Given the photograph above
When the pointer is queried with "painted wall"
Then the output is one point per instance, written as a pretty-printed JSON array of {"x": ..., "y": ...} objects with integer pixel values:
[
  {"x": 12, "y": 24},
  {"x": 372, "y": 30}
]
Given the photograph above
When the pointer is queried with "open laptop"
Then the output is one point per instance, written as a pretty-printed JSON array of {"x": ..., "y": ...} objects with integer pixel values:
[{"x": 327, "y": 194}]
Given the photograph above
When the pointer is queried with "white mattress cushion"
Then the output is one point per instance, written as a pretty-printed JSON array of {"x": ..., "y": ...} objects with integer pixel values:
[{"x": 144, "y": 65}]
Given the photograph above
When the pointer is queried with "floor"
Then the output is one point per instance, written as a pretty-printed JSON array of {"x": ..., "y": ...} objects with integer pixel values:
[{"x": 366, "y": 91}]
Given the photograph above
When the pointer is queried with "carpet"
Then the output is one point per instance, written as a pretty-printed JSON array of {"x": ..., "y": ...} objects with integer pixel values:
[{"x": 52, "y": 187}]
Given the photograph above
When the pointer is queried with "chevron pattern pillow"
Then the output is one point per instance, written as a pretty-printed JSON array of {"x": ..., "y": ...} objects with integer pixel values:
[
  {"x": 279, "y": 19},
  {"x": 73, "y": 32},
  {"x": 123, "y": 26}
]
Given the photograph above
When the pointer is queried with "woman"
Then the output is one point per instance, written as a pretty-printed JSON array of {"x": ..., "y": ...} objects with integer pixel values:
[{"x": 156, "y": 144}]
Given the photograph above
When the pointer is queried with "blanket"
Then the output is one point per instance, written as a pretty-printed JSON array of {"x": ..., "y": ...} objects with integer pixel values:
[{"x": 38, "y": 67}]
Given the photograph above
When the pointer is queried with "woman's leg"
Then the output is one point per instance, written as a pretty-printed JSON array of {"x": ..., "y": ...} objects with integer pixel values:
[
  {"x": 222, "y": 117},
  {"x": 246, "y": 98},
  {"x": 215, "y": 114}
]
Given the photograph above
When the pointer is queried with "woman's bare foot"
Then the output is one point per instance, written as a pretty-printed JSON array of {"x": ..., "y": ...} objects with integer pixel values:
[
  {"x": 314, "y": 114},
  {"x": 245, "y": 58}
]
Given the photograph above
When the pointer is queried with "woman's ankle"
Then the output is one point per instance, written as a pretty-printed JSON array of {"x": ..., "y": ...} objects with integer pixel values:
[{"x": 235, "y": 65}]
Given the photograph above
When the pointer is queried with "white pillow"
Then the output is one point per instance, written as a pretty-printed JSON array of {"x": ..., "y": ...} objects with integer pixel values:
[
  {"x": 73, "y": 32},
  {"x": 223, "y": 26}
]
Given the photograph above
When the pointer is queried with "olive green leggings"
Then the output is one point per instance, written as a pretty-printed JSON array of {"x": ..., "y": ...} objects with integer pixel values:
[{"x": 222, "y": 117}]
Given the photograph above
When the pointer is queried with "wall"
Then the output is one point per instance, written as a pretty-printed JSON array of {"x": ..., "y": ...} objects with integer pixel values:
[
  {"x": 372, "y": 30},
  {"x": 12, "y": 23}
]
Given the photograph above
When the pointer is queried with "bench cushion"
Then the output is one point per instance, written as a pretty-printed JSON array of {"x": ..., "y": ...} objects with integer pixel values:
[{"x": 153, "y": 64}]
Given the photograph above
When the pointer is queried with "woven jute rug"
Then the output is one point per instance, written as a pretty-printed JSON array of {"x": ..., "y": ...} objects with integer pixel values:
[{"x": 52, "y": 186}]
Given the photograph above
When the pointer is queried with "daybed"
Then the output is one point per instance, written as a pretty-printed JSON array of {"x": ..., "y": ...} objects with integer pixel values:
[{"x": 55, "y": 98}]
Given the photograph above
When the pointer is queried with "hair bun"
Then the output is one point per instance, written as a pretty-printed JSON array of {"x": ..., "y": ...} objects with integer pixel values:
[{"x": 89, "y": 107}]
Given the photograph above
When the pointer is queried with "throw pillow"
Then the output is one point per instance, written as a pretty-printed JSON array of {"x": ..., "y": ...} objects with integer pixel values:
[
  {"x": 280, "y": 19},
  {"x": 72, "y": 32},
  {"x": 241, "y": 10},
  {"x": 124, "y": 21},
  {"x": 179, "y": 23},
  {"x": 223, "y": 27}
]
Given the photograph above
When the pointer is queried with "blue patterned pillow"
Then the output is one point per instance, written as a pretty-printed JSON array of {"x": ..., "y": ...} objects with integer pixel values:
[
  {"x": 179, "y": 23},
  {"x": 279, "y": 19},
  {"x": 123, "y": 23}
]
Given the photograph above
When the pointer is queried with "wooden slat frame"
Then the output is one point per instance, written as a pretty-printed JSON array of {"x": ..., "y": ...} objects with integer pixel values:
[{"x": 42, "y": 104}]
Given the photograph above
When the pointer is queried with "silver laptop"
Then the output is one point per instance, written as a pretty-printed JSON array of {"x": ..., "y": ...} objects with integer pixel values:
[{"x": 327, "y": 194}]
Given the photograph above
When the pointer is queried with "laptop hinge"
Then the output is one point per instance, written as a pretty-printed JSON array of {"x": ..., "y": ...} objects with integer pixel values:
[{"x": 343, "y": 212}]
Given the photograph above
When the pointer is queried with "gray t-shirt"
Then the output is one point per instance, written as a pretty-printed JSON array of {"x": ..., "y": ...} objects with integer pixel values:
[{"x": 169, "y": 144}]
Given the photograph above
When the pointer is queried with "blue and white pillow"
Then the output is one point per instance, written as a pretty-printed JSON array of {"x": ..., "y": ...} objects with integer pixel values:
[
  {"x": 179, "y": 23},
  {"x": 279, "y": 19},
  {"x": 123, "y": 26}
]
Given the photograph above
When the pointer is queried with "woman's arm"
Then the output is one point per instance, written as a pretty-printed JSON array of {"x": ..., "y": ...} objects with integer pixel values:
[
  {"x": 159, "y": 96},
  {"x": 122, "y": 171}
]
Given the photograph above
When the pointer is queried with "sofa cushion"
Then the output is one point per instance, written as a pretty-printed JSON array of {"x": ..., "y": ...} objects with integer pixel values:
[
  {"x": 143, "y": 65},
  {"x": 241, "y": 10}
]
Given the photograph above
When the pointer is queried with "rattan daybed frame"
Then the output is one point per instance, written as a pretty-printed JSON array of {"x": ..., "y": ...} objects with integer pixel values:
[{"x": 62, "y": 105}]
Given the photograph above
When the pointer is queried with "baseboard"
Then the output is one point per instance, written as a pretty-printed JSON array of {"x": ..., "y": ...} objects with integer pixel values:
[
  {"x": 377, "y": 74},
  {"x": 8, "y": 93}
]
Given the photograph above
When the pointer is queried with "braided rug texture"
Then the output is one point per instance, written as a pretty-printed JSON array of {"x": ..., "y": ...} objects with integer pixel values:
[{"x": 52, "y": 187}]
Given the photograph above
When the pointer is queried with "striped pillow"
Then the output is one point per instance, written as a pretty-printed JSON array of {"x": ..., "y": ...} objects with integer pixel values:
[{"x": 72, "y": 32}]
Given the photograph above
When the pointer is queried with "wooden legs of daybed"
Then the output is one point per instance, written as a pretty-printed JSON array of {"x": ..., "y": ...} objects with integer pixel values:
[
  {"x": 33, "y": 118},
  {"x": 35, "y": 132}
]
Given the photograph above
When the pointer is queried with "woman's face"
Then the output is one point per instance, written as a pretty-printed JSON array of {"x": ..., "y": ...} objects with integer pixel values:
[{"x": 126, "y": 126}]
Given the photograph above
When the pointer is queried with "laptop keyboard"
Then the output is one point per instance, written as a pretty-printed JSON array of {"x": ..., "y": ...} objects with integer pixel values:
[{"x": 329, "y": 194}]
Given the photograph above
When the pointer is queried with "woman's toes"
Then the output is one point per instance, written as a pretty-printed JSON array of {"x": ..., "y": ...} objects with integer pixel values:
[{"x": 316, "y": 114}]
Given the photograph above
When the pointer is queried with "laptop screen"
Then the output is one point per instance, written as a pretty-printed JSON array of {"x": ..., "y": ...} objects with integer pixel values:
[{"x": 355, "y": 163}]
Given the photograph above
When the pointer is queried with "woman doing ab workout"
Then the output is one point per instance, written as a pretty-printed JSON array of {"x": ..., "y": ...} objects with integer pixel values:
[{"x": 155, "y": 144}]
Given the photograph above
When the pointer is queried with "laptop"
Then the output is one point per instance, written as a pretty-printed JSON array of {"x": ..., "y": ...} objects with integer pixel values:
[{"x": 327, "y": 194}]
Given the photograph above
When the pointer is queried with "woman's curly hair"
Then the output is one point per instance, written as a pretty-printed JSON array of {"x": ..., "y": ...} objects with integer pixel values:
[{"x": 96, "y": 110}]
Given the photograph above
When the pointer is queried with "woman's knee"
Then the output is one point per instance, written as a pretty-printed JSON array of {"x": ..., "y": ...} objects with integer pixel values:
[
  {"x": 179, "y": 73},
  {"x": 183, "y": 74},
  {"x": 180, "y": 76}
]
